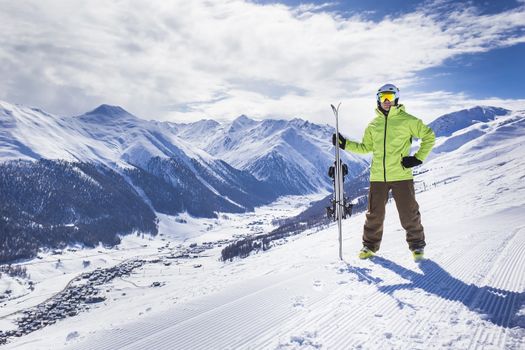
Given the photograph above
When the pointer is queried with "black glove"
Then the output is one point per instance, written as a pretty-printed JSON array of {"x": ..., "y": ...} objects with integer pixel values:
[
  {"x": 410, "y": 162},
  {"x": 342, "y": 141}
]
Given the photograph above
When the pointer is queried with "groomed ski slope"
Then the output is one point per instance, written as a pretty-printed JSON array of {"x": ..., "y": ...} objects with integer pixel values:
[{"x": 468, "y": 294}]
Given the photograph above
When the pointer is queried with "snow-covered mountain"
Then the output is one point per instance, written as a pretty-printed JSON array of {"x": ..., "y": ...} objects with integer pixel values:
[
  {"x": 458, "y": 128},
  {"x": 291, "y": 155},
  {"x": 84, "y": 166},
  {"x": 200, "y": 168},
  {"x": 112, "y": 137},
  {"x": 491, "y": 164},
  {"x": 31, "y": 134},
  {"x": 469, "y": 293},
  {"x": 447, "y": 124},
  {"x": 152, "y": 146}
]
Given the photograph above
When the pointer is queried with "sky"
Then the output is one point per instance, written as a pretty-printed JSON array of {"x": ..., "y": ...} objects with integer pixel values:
[{"x": 183, "y": 61}]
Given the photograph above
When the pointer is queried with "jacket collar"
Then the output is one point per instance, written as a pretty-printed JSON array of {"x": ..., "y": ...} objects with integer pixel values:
[{"x": 394, "y": 110}]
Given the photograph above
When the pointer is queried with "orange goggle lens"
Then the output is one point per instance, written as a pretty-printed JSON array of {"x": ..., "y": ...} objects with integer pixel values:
[{"x": 387, "y": 95}]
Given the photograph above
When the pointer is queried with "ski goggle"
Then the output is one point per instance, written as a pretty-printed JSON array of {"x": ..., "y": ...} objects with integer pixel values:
[{"x": 386, "y": 95}]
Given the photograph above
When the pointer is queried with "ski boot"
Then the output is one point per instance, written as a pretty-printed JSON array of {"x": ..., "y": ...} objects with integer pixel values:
[
  {"x": 418, "y": 254},
  {"x": 365, "y": 253}
]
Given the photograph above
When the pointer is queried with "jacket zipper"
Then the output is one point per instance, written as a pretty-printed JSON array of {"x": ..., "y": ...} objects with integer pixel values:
[{"x": 384, "y": 148}]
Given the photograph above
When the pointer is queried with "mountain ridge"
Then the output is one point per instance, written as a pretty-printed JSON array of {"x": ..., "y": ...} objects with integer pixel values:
[
  {"x": 297, "y": 147},
  {"x": 447, "y": 124},
  {"x": 201, "y": 168}
]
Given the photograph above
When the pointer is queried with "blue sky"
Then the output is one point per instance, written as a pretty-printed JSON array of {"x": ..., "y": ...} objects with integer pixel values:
[
  {"x": 378, "y": 9},
  {"x": 495, "y": 73},
  {"x": 187, "y": 60},
  {"x": 374, "y": 10}
]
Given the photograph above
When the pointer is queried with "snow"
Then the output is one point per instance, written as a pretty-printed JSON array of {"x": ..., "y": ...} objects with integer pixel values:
[
  {"x": 111, "y": 136},
  {"x": 107, "y": 135},
  {"x": 298, "y": 295},
  {"x": 184, "y": 228},
  {"x": 468, "y": 294},
  {"x": 245, "y": 141}
]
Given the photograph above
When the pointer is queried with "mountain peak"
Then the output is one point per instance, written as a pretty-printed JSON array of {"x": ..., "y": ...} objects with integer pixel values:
[
  {"x": 106, "y": 113},
  {"x": 108, "y": 110},
  {"x": 241, "y": 122},
  {"x": 242, "y": 118},
  {"x": 300, "y": 123}
]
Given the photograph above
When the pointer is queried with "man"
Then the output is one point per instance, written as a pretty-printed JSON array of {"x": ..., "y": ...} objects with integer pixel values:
[{"x": 389, "y": 137}]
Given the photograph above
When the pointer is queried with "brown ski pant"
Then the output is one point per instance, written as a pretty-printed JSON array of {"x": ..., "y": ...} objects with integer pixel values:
[{"x": 407, "y": 207}]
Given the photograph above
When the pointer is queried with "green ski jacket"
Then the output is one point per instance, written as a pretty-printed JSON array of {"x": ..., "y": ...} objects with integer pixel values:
[{"x": 389, "y": 139}]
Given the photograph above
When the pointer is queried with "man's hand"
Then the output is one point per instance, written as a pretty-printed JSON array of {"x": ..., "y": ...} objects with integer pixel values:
[
  {"x": 410, "y": 162},
  {"x": 342, "y": 141}
]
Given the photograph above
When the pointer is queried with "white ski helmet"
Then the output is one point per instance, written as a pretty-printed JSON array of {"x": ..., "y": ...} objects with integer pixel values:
[{"x": 388, "y": 87}]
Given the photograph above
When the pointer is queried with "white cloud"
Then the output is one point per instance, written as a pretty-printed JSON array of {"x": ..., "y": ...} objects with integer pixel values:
[
  {"x": 220, "y": 59},
  {"x": 309, "y": 9}
]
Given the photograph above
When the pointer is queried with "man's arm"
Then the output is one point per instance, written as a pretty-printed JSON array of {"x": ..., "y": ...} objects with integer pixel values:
[
  {"x": 364, "y": 147},
  {"x": 427, "y": 136}
]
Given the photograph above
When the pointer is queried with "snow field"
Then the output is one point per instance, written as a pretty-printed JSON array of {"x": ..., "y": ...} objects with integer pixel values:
[
  {"x": 314, "y": 301},
  {"x": 468, "y": 294}
]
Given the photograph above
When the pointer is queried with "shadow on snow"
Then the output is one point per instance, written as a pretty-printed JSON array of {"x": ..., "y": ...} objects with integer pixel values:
[{"x": 497, "y": 306}]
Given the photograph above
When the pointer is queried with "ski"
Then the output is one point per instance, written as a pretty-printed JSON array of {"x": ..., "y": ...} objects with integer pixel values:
[{"x": 338, "y": 183}]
